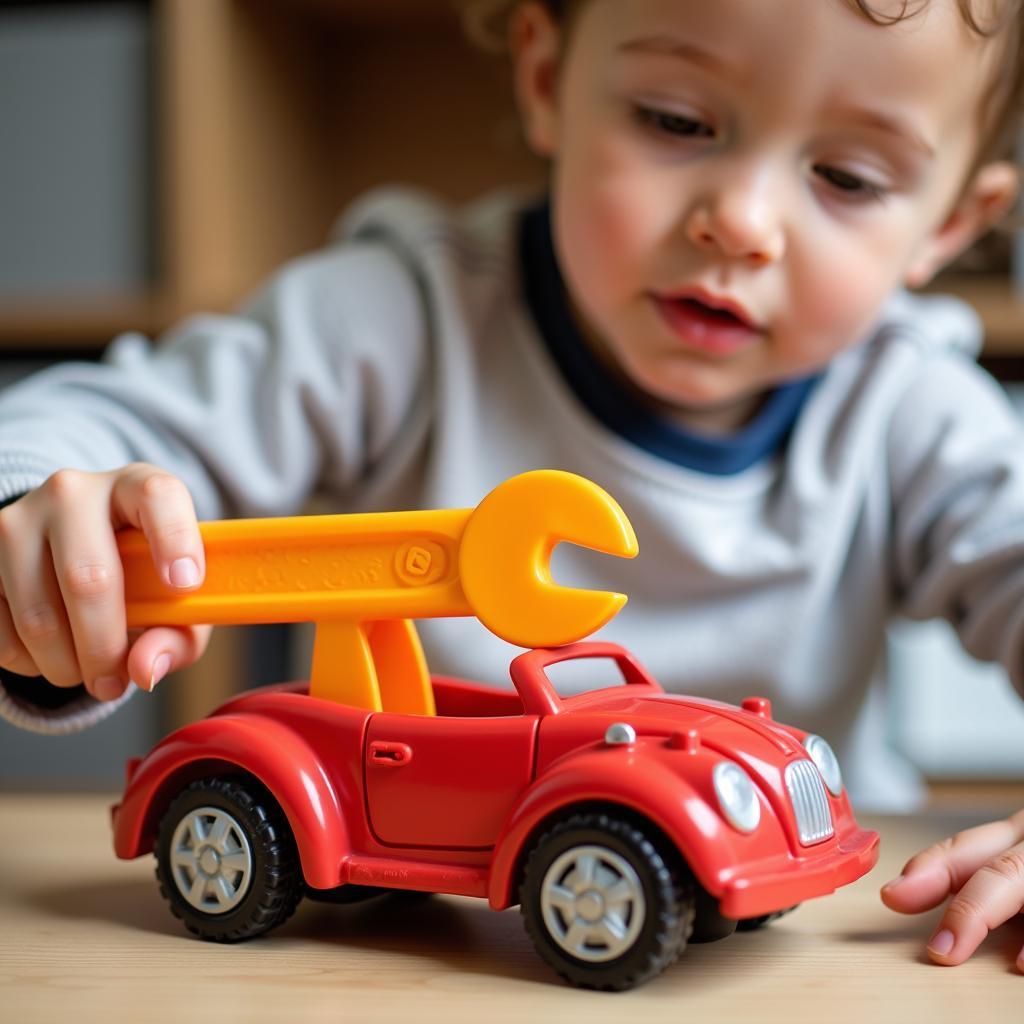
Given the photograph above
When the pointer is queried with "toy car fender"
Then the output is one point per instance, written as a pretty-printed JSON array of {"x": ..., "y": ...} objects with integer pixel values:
[
  {"x": 604, "y": 776},
  {"x": 273, "y": 754}
]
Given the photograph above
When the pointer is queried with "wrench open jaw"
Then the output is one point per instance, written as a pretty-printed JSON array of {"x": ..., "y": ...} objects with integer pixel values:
[
  {"x": 505, "y": 557},
  {"x": 362, "y": 578}
]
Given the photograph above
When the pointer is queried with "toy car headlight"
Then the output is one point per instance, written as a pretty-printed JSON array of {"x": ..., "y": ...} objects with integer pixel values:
[
  {"x": 736, "y": 796},
  {"x": 826, "y": 762}
]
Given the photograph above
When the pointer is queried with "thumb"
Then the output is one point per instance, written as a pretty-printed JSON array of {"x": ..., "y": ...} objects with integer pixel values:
[{"x": 165, "y": 649}]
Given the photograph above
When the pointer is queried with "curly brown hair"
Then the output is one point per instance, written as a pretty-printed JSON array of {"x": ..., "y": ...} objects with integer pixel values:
[{"x": 486, "y": 23}]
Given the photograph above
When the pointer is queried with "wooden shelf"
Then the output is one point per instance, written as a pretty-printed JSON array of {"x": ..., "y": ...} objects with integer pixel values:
[
  {"x": 77, "y": 321},
  {"x": 271, "y": 117}
]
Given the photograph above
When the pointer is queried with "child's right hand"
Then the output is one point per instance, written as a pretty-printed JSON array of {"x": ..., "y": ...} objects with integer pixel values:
[{"x": 62, "y": 608}]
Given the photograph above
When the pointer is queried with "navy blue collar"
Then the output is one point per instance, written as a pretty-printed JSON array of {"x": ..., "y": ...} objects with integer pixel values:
[{"x": 618, "y": 409}]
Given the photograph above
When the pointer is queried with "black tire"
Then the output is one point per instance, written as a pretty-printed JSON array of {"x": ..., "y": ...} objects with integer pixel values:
[
  {"x": 351, "y": 893},
  {"x": 656, "y": 926},
  {"x": 752, "y": 924},
  {"x": 256, "y": 882},
  {"x": 710, "y": 924},
  {"x": 345, "y": 895}
]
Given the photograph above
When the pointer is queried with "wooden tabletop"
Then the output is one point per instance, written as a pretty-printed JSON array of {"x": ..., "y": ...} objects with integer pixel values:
[{"x": 86, "y": 937}]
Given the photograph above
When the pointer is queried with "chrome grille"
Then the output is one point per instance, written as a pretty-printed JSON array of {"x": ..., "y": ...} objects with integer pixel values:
[{"x": 810, "y": 804}]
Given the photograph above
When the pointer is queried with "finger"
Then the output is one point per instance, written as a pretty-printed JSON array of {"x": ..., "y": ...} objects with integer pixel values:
[
  {"x": 13, "y": 655},
  {"x": 932, "y": 875},
  {"x": 165, "y": 649},
  {"x": 991, "y": 896},
  {"x": 161, "y": 506},
  {"x": 89, "y": 574},
  {"x": 34, "y": 598}
]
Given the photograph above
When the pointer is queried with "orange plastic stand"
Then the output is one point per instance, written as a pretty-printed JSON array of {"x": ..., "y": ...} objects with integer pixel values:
[{"x": 362, "y": 577}]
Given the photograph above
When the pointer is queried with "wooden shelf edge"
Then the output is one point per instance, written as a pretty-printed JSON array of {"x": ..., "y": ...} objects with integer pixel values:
[
  {"x": 75, "y": 321},
  {"x": 72, "y": 321}
]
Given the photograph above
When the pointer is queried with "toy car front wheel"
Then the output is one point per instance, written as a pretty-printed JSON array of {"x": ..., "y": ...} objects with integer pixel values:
[
  {"x": 602, "y": 904},
  {"x": 226, "y": 860}
]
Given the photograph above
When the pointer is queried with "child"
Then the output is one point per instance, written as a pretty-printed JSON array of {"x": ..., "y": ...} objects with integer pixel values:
[{"x": 706, "y": 318}]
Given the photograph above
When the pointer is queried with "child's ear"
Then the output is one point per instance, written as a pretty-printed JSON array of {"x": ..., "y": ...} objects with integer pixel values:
[
  {"x": 536, "y": 49},
  {"x": 989, "y": 194}
]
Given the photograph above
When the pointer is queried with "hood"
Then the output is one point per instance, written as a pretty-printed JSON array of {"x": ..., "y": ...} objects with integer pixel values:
[{"x": 741, "y": 735}]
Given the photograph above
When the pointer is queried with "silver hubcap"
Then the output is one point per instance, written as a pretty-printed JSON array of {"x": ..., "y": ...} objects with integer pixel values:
[
  {"x": 211, "y": 860},
  {"x": 592, "y": 903}
]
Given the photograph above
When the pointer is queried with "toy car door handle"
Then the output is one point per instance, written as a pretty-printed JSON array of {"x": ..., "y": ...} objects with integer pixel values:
[{"x": 393, "y": 755}]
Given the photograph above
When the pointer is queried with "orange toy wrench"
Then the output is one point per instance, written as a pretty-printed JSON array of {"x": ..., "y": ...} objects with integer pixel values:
[{"x": 362, "y": 577}]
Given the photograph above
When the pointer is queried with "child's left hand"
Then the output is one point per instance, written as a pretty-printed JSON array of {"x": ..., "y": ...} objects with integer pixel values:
[{"x": 983, "y": 869}]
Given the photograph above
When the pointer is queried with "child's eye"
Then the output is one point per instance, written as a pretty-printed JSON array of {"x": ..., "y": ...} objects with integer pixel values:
[
  {"x": 673, "y": 124},
  {"x": 851, "y": 185}
]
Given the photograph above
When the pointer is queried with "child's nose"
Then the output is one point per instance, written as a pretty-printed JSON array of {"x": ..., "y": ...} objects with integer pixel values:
[{"x": 738, "y": 221}]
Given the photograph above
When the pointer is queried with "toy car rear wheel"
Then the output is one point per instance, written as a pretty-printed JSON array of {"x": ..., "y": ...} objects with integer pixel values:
[
  {"x": 226, "y": 860},
  {"x": 602, "y": 904}
]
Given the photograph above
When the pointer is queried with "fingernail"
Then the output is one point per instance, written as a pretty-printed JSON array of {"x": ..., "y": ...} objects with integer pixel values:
[
  {"x": 107, "y": 688},
  {"x": 942, "y": 942},
  {"x": 183, "y": 573},
  {"x": 161, "y": 663},
  {"x": 896, "y": 881}
]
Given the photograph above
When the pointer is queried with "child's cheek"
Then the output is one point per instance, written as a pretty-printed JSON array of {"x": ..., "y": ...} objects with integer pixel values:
[
  {"x": 611, "y": 233},
  {"x": 835, "y": 306},
  {"x": 613, "y": 208},
  {"x": 593, "y": 240}
]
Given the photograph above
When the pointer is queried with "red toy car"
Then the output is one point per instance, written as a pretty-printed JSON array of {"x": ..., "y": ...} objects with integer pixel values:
[{"x": 623, "y": 820}]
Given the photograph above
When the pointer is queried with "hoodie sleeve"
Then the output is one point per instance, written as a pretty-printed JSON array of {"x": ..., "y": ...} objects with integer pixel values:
[
  {"x": 314, "y": 377},
  {"x": 956, "y": 454},
  {"x": 311, "y": 386}
]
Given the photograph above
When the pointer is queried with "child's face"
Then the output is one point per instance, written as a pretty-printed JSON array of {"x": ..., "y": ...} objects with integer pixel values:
[{"x": 787, "y": 162}]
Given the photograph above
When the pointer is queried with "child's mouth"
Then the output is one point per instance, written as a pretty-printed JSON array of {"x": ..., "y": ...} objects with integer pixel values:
[
  {"x": 711, "y": 329},
  {"x": 701, "y": 309}
]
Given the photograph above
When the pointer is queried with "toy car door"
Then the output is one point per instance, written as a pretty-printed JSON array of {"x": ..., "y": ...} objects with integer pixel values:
[{"x": 445, "y": 782}]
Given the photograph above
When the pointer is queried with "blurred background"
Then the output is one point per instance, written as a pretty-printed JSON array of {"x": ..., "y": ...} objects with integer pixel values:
[{"x": 162, "y": 156}]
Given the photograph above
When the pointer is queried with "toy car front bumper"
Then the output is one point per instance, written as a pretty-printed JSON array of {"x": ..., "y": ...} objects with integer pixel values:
[{"x": 783, "y": 882}]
